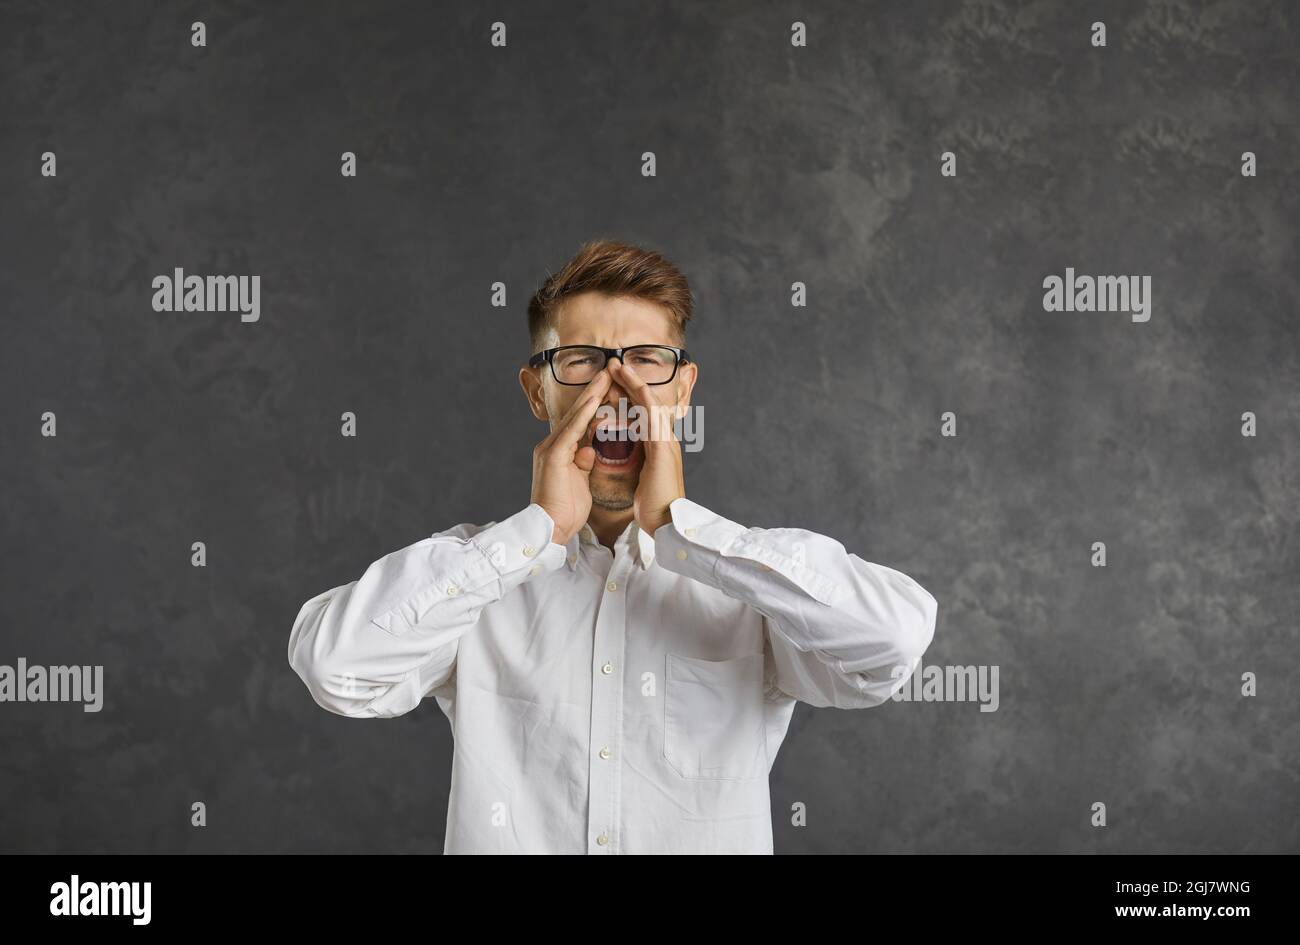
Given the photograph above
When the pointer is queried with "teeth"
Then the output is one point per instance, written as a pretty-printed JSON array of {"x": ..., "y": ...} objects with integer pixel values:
[{"x": 602, "y": 460}]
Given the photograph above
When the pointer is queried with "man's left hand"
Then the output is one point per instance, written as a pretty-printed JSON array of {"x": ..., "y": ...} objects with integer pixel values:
[{"x": 661, "y": 479}]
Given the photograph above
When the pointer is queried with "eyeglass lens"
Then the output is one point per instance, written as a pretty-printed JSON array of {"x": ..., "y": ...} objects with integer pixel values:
[{"x": 652, "y": 363}]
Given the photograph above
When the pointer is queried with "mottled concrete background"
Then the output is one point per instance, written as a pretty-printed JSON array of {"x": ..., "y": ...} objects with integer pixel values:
[{"x": 775, "y": 164}]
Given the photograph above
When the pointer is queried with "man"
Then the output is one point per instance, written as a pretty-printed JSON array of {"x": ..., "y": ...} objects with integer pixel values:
[{"x": 619, "y": 663}]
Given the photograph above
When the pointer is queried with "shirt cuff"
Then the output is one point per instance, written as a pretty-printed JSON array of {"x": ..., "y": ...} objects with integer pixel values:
[
  {"x": 691, "y": 544},
  {"x": 700, "y": 543},
  {"x": 520, "y": 546},
  {"x": 487, "y": 566}
]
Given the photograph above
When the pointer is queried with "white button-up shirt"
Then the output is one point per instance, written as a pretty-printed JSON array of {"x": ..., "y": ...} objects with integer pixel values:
[{"x": 630, "y": 701}]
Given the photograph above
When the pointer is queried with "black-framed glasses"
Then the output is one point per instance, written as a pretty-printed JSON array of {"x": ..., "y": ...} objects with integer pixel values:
[{"x": 578, "y": 364}]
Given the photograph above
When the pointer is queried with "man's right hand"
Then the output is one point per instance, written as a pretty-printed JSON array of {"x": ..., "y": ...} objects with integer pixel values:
[{"x": 563, "y": 461}]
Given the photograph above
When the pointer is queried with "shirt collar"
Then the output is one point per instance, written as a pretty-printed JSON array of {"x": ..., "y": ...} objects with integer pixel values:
[{"x": 643, "y": 544}]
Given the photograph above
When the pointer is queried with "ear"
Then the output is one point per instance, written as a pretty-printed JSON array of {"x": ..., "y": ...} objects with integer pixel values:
[
  {"x": 686, "y": 377},
  {"x": 530, "y": 381}
]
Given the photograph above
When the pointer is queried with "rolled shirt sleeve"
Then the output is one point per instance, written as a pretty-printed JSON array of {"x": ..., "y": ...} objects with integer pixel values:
[{"x": 842, "y": 631}]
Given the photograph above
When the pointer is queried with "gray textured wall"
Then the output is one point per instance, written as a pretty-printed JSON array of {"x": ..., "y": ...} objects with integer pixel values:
[{"x": 775, "y": 164}]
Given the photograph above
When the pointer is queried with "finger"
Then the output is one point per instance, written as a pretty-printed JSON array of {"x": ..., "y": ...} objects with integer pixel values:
[
  {"x": 595, "y": 388},
  {"x": 584, "y": 418},
  {"x": 637, "y": 390},
  {"x": 585, "y": 459},
  {"x": 585, "y": 438},
  {"x": 659, "y": 422}
]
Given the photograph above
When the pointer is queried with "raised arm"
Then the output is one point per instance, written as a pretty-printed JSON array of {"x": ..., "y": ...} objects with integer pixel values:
[
  {"x": 843, "y": 632},
  {"x": 375, "y": 647}
]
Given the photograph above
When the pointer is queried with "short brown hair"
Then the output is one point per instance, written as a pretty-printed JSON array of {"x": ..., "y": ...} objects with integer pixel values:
[{"x": 615, "y": 269}]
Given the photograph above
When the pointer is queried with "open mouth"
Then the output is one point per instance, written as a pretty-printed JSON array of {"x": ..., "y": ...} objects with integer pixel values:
[{"x": 615, "y": 452}]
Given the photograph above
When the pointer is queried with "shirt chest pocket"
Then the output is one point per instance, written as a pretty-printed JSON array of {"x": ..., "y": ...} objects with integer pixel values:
[{"x": 713, "y": 717}]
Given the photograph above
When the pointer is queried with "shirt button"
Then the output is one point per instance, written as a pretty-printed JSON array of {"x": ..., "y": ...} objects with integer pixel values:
[
  {"x": 602, "y": 839},
  {"x": 611, "y": 586},
  {"x": 607, "y": 668},
  {"x": 453, "y": 591},
  {"x": 690, "y": 533},
  {"x": 534, "y": 569},
  {"x": 604, "y": 753},
  {"x": 681, "y": 554},
  {"x": 529, "y": 551}
]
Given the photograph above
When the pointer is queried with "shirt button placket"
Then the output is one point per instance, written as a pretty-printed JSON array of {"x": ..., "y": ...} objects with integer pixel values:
[{"x": 603, "y": 802}]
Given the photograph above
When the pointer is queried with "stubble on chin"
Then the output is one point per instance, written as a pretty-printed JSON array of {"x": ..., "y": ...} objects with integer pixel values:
[{"x": 614, "y": 496}]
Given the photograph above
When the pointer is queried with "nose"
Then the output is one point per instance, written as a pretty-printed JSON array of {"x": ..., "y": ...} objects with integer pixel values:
[{"x": 615, "y": 392}]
